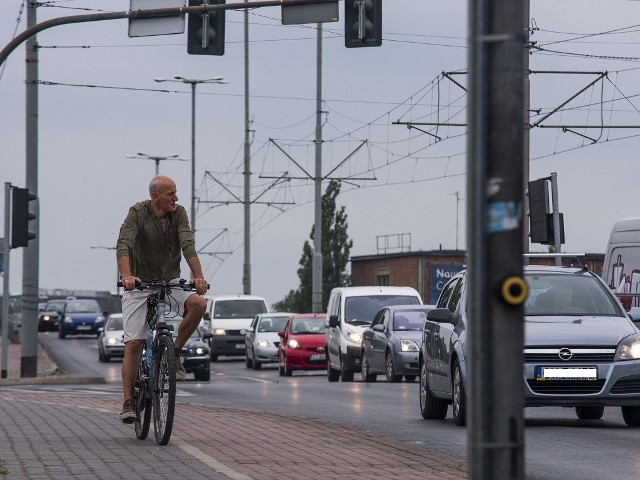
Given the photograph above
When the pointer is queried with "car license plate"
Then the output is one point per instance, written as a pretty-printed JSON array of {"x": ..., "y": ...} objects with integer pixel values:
[
  {"x": 318, "y": 356},
  {"x": 240, "y": 346},
  {"x": 566, "y": 373},
  {"x": 84, "y": 327}
]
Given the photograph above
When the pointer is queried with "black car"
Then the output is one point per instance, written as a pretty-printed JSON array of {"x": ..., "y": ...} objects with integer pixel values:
[
  {"x": 195, "y": 354},
  {"x": 49, "y": 317}
]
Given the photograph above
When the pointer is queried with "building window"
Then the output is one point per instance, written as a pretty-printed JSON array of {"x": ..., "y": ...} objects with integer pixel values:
[{"x": 383, "y": 279}]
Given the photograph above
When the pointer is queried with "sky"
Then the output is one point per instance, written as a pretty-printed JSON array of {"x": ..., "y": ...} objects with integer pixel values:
[{"x": 99, "y": 105}]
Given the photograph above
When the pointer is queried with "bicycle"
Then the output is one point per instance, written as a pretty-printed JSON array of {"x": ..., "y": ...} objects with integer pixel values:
[{"x": 155, "y": 386}]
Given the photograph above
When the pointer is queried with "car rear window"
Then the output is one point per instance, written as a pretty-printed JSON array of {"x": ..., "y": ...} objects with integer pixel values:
[
  {"x": 238, "y": 308},
  {"x": 362, "y": 309}
]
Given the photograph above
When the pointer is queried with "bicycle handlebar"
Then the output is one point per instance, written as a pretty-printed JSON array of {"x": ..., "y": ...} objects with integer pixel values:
[{"x": 157, "y": 284}]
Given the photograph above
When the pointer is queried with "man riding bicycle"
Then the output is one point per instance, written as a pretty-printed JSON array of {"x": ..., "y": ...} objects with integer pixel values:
[{"x": 149, "y": 247}]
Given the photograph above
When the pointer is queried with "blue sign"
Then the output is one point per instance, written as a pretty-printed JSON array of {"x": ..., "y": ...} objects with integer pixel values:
[{"x": 439, "y": 275}]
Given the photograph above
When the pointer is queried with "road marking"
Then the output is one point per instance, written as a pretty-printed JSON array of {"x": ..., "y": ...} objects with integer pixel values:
[{"x": 208, "y": 460}]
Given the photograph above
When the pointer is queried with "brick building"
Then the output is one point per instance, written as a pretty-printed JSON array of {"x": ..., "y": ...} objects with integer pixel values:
[{"x": 427, "y": 271}]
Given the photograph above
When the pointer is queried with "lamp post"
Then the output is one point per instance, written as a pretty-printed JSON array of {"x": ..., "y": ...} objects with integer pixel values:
[
  {"x": 193, "y": 82},
  {"x": 117, "y": 270},
  {"x": 157, "y": 159}
]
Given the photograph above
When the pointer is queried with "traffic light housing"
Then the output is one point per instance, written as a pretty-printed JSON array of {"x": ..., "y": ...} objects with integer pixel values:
[
  {"x": 540, "y": 219},
  {"x": 205, "y": 32},
  {"x": 20, "y": 216},
  {"x": 362, "y": 23}
]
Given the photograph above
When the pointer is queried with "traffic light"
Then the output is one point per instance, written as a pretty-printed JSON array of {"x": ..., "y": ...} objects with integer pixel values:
[
  {"x": 362, "y": 23},
  {"x": 20, "y": 216},
  {"x": 205, "y": 33},
  {"x": 541, "y": 220}
]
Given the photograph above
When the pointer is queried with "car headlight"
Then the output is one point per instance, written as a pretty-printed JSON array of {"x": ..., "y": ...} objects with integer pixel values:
[
  {"x": 408, "y": 345},
  {"x": 200, "y": 350},
  {"x": 68, "y": 320},
  {"x": 112, "y": 341},
  {"x": 628, "y": 349},
  {"x": 354, "y": 337},
  {"x": 46, "y": 318},
  {"x": 219, "y": 331},
  {"x": 263, "y": 343},
  {"x": 99, "y": 319},
  {"x": 293, "y": 343}
]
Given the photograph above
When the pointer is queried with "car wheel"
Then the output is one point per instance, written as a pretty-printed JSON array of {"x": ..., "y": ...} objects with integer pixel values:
[
  {"x": 100, "y": 355},
  {"x": 367, "y": 376},
  {"x": 281, "y": 371},
  {"x": 248, "y": 362},
  {"x": 389, "y": 370},
  {"x": 459, "y": 397},
  {"x": 202, "y": 375},
  {"x": 345, "y": 375},
  {"x": 631, "y": 416},
  {"x": 589, "y": 413},
  {"x": 431, "y": 408},
  {"x": 332, "y": 375},
  {"x": 410, "y": 378},
  {"x": 213, "y": 356},
  {"x": 287, "y": 371},
  {"x": 61, "y": 334}
]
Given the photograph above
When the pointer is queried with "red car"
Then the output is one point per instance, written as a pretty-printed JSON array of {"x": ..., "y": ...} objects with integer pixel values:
[{"x": 302, "y": 345}]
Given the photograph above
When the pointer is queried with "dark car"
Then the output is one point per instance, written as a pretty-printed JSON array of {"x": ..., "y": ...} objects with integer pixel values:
[
  {"x": 581, "y": 349},
  {"x": 391, "y": 344},
  {"x": 49, "y": 317},
  {"x": 81, "y": 316},
  {"x": 195, "y": 353}
]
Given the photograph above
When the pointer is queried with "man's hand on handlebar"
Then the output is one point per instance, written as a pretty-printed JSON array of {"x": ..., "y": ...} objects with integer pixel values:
[
  {"x": 129, "y": 282},
  {"x": 201, "y": 285}
]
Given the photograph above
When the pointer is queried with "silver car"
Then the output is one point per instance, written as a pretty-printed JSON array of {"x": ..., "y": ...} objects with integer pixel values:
[
  {"x": 262, "y": 340},
  {"x": 390, "y": 345},
  {"x": 581, "y": 349},
  {"x": 111, "y": 338}
]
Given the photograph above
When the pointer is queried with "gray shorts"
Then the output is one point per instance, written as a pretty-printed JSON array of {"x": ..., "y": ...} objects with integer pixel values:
[{"x": 134, "y": 310}]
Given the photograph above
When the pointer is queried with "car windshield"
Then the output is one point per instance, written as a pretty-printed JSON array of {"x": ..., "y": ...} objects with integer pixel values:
[
  {"x": 83, "y": 306},
  {"x": 114, "y": 324},
  {"x": 409, "y": 320},
  {"x": 361, "y": 310},
  {"x": 272, "y": 324},
  {"x": 308, "y": 325},
  {"x": 575, "y": 294},
  {"x": 54, "y": 306},
  {"x": 238, "y": 308}
]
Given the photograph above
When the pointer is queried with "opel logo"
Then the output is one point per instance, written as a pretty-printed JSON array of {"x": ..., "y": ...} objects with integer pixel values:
[
  {"x": 565, "y": 354},
  {"x": 320, "y": 349}
]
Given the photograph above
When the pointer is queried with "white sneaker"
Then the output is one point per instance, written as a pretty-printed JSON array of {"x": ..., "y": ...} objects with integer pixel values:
[{"x": 181, "y": 373}]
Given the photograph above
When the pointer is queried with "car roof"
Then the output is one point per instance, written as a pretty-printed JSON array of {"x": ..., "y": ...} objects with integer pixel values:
[
  {"x": 233, "y": 296},
  {"x": 307, "y": 315},
  {"x": 554, "y": 269},
  {"x": 376, "y": 289}
]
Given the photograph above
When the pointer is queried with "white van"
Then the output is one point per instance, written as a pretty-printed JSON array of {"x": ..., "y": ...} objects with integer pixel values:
[
  {"x": 228, "y": 317},
  {"x": 621, "y": 269},
  {"x": 349, "y": 312}
]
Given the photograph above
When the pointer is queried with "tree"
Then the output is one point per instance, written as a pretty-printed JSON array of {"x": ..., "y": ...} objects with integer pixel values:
[{"x": 336, "y": 247}]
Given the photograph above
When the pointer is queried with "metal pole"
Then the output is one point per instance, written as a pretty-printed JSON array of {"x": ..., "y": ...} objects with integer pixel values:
[
  {"x": 526, "y": 124},
  {"x": 495, "y": 206},
  {"x": 5, "y": 283},
  {"x": 316, "y": 288},
  {"x": 246, "y": 271},
  {"x": 31, "y": 253},
  {"x": 193, "y": 158},
  {"x": 556, "y": 217}
]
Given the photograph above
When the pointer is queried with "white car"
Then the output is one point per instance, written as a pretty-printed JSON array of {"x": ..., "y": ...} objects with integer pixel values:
[
  {"x": 262, "y": 339},
  {"x": 111, "y": 338}
]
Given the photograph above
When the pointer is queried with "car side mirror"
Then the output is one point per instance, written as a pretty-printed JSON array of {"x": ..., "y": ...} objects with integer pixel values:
[
  {"x": 281, "y": 333},
  {"x": 206, "y": 316},
  {"x": 333, "y": 321},
  {"x": 105, "y": 313},
  {"x": 101, "y": 329},
  {"x": 378, "y": 327},
  {"x": 441, "y": 315}
]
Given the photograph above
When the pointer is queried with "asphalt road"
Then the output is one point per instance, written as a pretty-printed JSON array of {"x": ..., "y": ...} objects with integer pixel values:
[{"x": 558, "y": 445}]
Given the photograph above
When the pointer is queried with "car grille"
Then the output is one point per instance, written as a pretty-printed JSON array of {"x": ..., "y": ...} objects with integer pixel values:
[
  {"x": 566, "y": 387},
  {"x": 627, "y": 385},
  {"x": 546, "y": 355},
  {"x": 234, "y": 333}
]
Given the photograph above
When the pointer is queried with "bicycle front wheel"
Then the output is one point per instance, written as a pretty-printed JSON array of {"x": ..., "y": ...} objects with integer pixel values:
[
  {"x": 142, "y": 399},
  {"x": 164, "y": 393}
]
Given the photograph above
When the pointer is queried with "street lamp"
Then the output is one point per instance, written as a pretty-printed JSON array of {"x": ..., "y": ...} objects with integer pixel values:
[
  {"x": 157, "y": 159},
  {"x": 193, "y": 82},
  {"x": 117, "y": 269}
]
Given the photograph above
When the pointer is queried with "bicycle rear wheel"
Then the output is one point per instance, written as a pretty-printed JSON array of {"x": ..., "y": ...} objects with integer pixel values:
[
  {"x": 142, "y": 399},
  {"x": 164, "y": 393}
]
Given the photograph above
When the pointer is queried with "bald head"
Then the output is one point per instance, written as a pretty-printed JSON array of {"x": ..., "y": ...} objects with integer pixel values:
[{"x": 160, "y": 184}]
